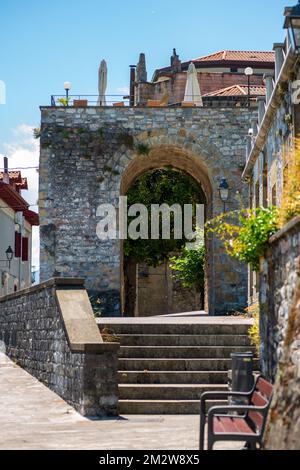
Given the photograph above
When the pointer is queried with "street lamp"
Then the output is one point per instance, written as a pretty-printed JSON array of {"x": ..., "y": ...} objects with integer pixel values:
[
  {"x": 9, "y": 256},
  {"x": 67, "y": 87},
  {"x": 248, "y": 73},
  {"x": 292, "y": 23},
  {"x": 224, "y": 192}
]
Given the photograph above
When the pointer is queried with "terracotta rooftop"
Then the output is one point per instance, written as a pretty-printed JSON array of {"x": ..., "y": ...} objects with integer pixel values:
[
  {"x": 239, "y": 56},
  {"x": 238, "y": 90},
  {"x": 15, "y": 178}
]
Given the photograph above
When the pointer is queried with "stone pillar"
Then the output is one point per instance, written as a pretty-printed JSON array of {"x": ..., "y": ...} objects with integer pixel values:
[
  {"x": 254, "y": 126},
  {"x": 269, "y": 85},
  {"x": 279, "y": 58},
  {"x": 141, "y": 70},
  {"x": 261, "y": 109}
]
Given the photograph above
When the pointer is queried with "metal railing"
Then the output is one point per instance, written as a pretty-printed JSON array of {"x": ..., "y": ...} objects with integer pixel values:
[{"x": 125, "y": 101}]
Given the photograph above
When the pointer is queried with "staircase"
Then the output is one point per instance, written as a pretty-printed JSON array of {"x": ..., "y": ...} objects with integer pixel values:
[{"x": 165, "y": 367}]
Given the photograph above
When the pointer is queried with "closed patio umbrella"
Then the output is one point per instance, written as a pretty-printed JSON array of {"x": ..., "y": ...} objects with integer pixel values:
[
  {"x": 192, "y": 88},
  {"x": 102, "y": 83}
]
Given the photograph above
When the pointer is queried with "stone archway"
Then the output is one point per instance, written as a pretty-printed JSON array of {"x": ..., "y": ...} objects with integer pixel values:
[
  {"x": 182, "y": 160},
  {"x": 90, "y": 155}
]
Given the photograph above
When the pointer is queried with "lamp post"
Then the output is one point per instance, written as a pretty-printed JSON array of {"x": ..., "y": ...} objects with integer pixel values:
[
  {"x": 67, "y": 87},
  {"x": 292, "y": 23},
  {"x": 9, "y": 256},
  {"x": 248, "y": 73},
  {"x": 224, "y": 192}
]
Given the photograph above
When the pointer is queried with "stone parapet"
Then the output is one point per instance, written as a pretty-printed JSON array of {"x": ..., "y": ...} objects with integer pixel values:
[{"x": 50, "y": 331}]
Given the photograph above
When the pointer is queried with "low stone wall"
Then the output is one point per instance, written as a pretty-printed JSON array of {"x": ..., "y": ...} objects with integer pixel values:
[
  {"x": 50, "y": 331},
  {"x": 280, "y": 272},
  {"x": 283, "y": 427}
]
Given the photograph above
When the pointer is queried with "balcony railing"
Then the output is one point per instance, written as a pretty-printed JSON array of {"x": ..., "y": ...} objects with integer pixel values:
[{"x": 126, "y": 101}]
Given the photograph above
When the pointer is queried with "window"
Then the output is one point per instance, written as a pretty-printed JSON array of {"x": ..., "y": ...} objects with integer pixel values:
[
  {"x": 25, "y": 249},
  {"x": 234, "y": 70},
  {"x": 18, "y": 241}
]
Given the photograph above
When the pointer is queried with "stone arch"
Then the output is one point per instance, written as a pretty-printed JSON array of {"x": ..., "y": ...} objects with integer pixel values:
[{"x": 181, "y": 159}]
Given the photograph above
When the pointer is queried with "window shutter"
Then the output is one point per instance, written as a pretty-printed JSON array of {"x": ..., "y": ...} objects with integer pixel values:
[
  {"x": 18, "y": 238},
  {"x": 25, "y": 249}
]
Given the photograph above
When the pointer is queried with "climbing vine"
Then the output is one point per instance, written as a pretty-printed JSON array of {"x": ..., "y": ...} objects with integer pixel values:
[{"x": 246, "y": 233}]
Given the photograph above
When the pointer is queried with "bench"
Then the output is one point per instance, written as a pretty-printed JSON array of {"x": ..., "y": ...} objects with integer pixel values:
[{"x": 245, "y": 423}]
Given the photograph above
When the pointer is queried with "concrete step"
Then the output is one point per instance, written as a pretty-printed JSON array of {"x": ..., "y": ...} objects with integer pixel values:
[
  {"x": 173, "y": 377},
  {"x": 167, "y": 391},
  {"x": 183, "y": 340},
  {"x": 175, "y": 328},
  {"x": 181, "y": 351},
  {"x": 164, "y": 407},
  {"x": 174, "y": 364}
]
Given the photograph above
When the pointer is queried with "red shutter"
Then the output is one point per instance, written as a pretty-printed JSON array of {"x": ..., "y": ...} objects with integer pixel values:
[
  {"x": 18, "y": 239},
  {"x": 25, "y": 249}
]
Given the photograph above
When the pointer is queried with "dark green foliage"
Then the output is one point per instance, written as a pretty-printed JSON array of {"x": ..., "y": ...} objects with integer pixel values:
[{"x": 158, "y": 187}]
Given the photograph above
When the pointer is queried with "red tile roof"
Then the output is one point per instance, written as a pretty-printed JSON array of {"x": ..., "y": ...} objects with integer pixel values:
[
  {"x": 15, "y": 178},
  {"x": 14, "y": 200},
  {"x": 238, "y": 90},
  {"x": 238, "y": 56}
]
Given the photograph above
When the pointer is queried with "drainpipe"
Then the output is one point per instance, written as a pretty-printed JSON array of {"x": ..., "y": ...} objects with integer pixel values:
[
  {"x": 261, "y": 108},
  {"x": 278, "y": 48},
  {"x": 269, "y": 85},
  {"x": 131, "y": 86}
]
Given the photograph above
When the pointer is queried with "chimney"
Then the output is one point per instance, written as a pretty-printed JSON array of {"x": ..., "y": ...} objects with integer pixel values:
[
  {"x": 132, "y": 85},
  {"x": 5, "y": 174}
]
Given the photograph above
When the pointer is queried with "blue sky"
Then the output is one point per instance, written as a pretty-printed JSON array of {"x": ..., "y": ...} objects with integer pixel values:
[{"x": 44, "y": 43}]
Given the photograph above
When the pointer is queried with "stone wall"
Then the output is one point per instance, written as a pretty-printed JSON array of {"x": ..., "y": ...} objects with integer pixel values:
[
  {"x": 92, "y": 155},
  {"x": 50, "y": 332},
  {"x": 283, "y": 427},
  {"x": 279, "y": 275}
]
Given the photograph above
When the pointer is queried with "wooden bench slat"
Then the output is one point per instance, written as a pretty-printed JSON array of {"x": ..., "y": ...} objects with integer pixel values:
[
  {"x": 258, "y": 400},
  {"x": 256, "y": 418},
  {"x": 264, "y": 387},
  {"x": 226, "y": 425}
]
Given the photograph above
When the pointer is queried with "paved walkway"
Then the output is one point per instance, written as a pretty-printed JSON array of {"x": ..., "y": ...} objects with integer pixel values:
[{"x": 33, "y": 417}]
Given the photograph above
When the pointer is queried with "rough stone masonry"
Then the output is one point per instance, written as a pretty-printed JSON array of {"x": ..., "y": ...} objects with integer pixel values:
[{"x": 91, "y": 155}]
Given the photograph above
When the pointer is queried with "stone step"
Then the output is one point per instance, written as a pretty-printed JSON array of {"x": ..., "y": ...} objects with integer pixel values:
[
  {"x": 173, "y": 377},
  {"x": 181, "y": 351},
  {"x": 183, "y": 340},
  {"x": 164, "y": 407},
  {"x": 175, "y": 328},
  {"x": 167, "y": 391},
  {"x": 143, "y": 364}
]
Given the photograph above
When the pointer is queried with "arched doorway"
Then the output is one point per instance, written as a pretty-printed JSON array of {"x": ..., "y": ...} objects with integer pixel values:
[{"x": 186, "y": 164}]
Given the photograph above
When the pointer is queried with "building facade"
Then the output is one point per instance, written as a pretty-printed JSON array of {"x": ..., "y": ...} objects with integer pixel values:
[{"x": 16, "y": 221}]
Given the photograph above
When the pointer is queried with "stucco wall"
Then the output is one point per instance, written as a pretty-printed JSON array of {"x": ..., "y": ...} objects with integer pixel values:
[{"x": 91, "y": 155}]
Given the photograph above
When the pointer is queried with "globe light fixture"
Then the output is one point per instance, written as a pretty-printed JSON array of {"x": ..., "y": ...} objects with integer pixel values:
[
  {"x": 292, "y": 24},
  {"x": 67, "y": 87}
]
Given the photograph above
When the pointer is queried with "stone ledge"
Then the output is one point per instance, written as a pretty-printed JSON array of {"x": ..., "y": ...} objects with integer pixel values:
[
  {"x": 59, "y": 282},
  {"x": 291, "y": 225},
  {"x": 94, "y": 348}
]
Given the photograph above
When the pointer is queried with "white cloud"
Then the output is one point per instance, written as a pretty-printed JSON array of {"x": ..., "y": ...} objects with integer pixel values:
[
  {"x": 124, "y": 90},
  {"x": 23, "y": 152}
]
